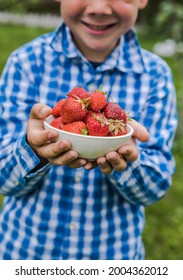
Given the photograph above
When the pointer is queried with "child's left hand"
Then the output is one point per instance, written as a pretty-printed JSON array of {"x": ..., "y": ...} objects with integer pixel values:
[{"x": 127, "y": 153}]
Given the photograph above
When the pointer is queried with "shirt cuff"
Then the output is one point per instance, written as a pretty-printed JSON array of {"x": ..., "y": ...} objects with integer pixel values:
[
  {"x": 141, "y": 183},
  {"x": 26, "y": 158},
  {"x": 127, "y": 182}
]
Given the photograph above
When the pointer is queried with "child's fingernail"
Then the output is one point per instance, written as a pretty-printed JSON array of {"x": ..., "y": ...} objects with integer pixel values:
[
  {"x": 87, "y": 166},
  {"x": 44, "y": 110},
  {"x": 62, "y": 145},
  {"x": 72, "y": 156},
  {"x": 50, "y": 135},
  {"x": 82, "y": 162}
]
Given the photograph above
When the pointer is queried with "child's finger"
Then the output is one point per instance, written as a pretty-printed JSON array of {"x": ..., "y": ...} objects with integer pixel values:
[
  {"x": 40, "y": 111},
  {"x": 140, "y": 132},
  {"x": 53, "y": 150},
  {"x": 117, "y": 162},
  {"x": 129, "y": 151},
  {"x": 39, "y": 138},
  {"x": 104, "y": 165},
  {"x": 68, "y": 158}
]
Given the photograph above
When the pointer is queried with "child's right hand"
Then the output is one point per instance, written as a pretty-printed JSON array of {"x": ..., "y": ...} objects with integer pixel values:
[{"x": 43, "y": 142}]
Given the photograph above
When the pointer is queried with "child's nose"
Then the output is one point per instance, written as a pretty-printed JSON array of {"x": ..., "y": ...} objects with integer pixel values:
[{"x": 99, "y": 7}]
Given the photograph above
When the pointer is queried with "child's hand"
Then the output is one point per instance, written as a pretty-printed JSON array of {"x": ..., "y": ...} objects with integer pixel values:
[
  {"x": 44, "y": 143},
  {"x": 129, "y": 152}
]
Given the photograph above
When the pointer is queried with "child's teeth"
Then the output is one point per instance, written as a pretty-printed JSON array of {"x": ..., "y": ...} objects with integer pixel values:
[{"x": 97, "y": 27}]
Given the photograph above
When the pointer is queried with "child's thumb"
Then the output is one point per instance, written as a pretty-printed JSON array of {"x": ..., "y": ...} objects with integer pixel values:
[{"x": 40, "y": 111}]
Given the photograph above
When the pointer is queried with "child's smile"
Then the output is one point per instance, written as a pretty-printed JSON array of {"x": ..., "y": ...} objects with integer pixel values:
[
  {"x": 98, "y": 29},
  {"x": 97, "y": 25}
]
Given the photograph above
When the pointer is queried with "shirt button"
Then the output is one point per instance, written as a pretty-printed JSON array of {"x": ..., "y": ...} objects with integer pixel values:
[
  {"x": 16, "y": 183},
  {"x": 77, "y": 179},
  {"x": 72, "y": 226}
]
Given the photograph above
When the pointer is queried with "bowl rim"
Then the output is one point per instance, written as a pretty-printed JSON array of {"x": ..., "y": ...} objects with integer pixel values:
[{"x": 130, "y": 132}]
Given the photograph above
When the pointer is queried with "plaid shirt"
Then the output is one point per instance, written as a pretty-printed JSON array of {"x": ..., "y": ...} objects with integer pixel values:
[{"x": 62, "y": 213}]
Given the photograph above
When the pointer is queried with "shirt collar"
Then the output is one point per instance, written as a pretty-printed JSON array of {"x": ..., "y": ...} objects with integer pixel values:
[
  {"x": 126, "y": 57},
  {"x": 130, "y": 56},
  {"x": 62, "y": 42}
]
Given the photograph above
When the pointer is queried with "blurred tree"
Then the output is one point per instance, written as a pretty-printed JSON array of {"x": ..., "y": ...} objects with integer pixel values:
[
  {"x": 150, "y": 11},
  {"x": 169, "y": 21},
  {"x": 171, "y": 15},
  {"x": 153, "y": 8},
  {"x": 50, "y": 6},
  {"x": 33, "y": 6}
]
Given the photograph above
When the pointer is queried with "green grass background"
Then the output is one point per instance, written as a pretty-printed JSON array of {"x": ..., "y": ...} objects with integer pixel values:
[{"x": 163, "y": 234}]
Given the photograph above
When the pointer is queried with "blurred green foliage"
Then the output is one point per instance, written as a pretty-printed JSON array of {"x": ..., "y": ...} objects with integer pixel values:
[
  {"x": 170, "y": 15},
  {"x": 29, "y": 6},
  {"x": 157, "y": 14},
  {"x": 155, "y": 7},
  {"x": 41, "y": 6}
]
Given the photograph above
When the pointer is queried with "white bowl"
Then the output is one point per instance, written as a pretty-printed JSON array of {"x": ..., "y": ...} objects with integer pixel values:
[{"x": 90, "y": 147}]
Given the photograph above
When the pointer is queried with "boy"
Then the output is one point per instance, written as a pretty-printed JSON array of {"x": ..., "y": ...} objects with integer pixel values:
[{"x": 58, "y": 206}]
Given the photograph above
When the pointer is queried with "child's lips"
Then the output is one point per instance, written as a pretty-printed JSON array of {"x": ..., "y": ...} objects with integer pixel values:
[{"x": 94, "y": 28}]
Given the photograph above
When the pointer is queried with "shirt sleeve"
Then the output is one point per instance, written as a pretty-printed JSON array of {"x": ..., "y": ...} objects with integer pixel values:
[
  {"x": 18, "y": 94},
  {"x": 146, "y": 180}
]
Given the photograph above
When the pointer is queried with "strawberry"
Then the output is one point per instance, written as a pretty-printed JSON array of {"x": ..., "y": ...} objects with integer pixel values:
[
  {"x": 73, "y": 110},
  {"x": 78, "y": 92},
  {"x": 114, "y": 111},
  {"x": 118, "y": 132},
  {"x": 56, "y": 109},
  {"x": 57, "y": 123},
  {"x": 96, "y": 124},
  {"x": 124, "y": 117},
  {"x": 81, "y": 95},
  {"x": 98, "y": 100},
  {"x": 78, "y": 127},
  {"x": 116, "y": 127}
]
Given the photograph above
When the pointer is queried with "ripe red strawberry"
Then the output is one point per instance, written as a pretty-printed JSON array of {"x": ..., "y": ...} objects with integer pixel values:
[
  {"x": 57, "y": 123},
  {"x": 98, "y": 100},
  {"x": 118, "y": 132},
  {"x": 117, "y": 127},
  {"x": 78, "y": 127},
  {"x": 114, "y": 111},
  {"x": 73, "y": 110},
  {"x": 96, "y": 124},
  {"x": 78, "y": 92},
  {"x": 56, "y": 109}
]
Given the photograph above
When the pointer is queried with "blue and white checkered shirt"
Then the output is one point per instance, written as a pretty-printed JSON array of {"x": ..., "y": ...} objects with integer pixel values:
[{"x": 62, "y": 213}]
